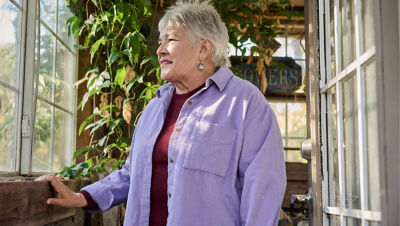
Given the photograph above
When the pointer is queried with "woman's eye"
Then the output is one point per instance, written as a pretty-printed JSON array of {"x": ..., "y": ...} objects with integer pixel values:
[{"x": 170, "y": 40}]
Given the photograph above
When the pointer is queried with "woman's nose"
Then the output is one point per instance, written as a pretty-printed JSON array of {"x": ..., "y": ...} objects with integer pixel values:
[{"x": 161, "y": 50}]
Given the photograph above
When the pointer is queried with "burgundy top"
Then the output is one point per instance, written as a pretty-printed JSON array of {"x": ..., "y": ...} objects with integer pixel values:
[{"x": 158, "y": 191}]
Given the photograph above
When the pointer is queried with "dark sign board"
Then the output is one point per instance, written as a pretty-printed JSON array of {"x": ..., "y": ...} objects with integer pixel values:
[{"x": 283, "y": 75}]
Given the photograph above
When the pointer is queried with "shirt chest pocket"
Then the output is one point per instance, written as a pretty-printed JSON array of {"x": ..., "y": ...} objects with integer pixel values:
[{"x": 211, "y": 149}]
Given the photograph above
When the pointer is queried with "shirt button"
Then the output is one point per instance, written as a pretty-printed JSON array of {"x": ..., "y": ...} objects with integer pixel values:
[
  {"x": 169, "y": 195},
  {"x": 171, "y": 160},
  {"x": 190, "y": 102},
  {"x": 177, "y": 129}
]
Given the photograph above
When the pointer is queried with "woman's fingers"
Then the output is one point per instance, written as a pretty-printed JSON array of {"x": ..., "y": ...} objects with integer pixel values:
[
  {"x": 65, "y": 196},
  {"x": 55, "y": 201},
  {"x": 49, "y": 177},
  {"x": 73, "y": 201},
  {"x": 58, "y": 186}
]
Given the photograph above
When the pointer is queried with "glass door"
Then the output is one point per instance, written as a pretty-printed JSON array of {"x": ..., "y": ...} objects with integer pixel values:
[{"x": 350, "y": 184}]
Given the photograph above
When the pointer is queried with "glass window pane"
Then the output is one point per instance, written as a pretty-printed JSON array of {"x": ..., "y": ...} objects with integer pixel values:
[
  {"x": 332, "y": 37},
  {"x": 292, "y": 122},
  {"x": 280, "y": 112},
  {"x": 334, "y": 181},
  {"x": 371, "y": 116},
  {"x": 10, "y": 24},
  {"x": 64, "y": 76},
  {"x": 353, "y": 221},
  {"x": 281, "y": 52},
  {"x": 334, "y": 220},
  {"x": 247, "y": 47},
  {"x": 64, "y": 13},
  {"x": 367, "y": 8},
  {"x": 297, "y": 120},
  {"x": 302, "y": 64},
  {"x": 41, "y": 155},
  {"x": 374, "y": 223},
  {"x": 347, "y": 11},
  {"x": 46, "y": 63},
  {"x": 232, "y": 50},
  {"x": 63, "y": 132},
  {"x": 48, "y": 10},
  {"x": 7, "y": 129},
  {"x": 350, "y": 144},
  {"x": 295, "y": 143},
  {"x": 53, "y": 127},
  {"x": 294, "y": 156},
  {"x": 295, "y": 48}
]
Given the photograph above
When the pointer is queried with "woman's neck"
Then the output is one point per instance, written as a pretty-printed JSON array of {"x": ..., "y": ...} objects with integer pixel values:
[{"x": 193, "y": 82}]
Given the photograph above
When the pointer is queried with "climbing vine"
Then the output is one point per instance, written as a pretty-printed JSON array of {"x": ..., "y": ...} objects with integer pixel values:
[{"x": 124, "y": 75}]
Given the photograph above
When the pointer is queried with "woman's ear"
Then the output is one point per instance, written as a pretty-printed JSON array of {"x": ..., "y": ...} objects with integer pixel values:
[{"x": 205, "y": 49}]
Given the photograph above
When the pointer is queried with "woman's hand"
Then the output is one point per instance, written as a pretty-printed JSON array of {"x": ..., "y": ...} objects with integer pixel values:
[{"x": 65, "y": 197}]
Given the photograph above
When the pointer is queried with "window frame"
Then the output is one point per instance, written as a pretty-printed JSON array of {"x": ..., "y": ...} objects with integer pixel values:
[
  {"x": 26, "y": 72},
  {"x": 295, "y": 99},
  {"x": 285, "y": 137},
  {"x": 327, "y": 83}
]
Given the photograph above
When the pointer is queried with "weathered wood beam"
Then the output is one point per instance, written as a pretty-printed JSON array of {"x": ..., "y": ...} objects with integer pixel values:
[
  {"x": 24, "y": 203},
  {"x": 313, "y": 107}
]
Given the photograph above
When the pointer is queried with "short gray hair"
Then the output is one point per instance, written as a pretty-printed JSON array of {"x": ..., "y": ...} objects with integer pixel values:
[{"x": 201, "y": 21}]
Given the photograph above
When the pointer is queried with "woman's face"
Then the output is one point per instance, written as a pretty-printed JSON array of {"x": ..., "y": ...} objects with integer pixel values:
[{"x": 178, "y": 57}]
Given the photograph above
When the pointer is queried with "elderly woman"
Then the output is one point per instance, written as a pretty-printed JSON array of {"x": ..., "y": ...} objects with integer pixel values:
[{"x": 207, "y": 150}]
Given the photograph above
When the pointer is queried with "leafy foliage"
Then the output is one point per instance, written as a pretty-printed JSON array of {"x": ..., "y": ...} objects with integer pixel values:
[
  {"x": 125, "y": 76},
  {"x": 118, "y": 50},
  {"x": 255, "y": 21}
]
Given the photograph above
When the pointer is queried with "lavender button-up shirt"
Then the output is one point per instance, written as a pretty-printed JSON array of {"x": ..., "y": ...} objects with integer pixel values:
[{"x": 226, "y": 164}]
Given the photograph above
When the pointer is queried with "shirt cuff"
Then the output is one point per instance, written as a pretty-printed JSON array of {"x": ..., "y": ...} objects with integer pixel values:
[{"x": 91, "y": 203}]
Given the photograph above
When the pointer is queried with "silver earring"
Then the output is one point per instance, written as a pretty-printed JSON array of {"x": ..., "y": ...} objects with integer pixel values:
[{"x": 201, "y": 66}]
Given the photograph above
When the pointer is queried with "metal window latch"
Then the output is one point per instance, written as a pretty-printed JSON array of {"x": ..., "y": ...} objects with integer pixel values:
[
  {"x": 302, "y": 203},
  {"x": 25, "y": 127},
  {"x": 301, "y": 198}
]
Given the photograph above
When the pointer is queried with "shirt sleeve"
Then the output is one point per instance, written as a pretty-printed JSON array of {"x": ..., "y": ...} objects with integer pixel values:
[
  {"x": 110, "y": 191},
  {"x": 262, "y": 171},
  {"x": 113, "y": 189}
]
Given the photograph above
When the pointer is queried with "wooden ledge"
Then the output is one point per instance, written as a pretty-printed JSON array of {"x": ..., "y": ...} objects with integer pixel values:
[{"x": 24, "y": 202}]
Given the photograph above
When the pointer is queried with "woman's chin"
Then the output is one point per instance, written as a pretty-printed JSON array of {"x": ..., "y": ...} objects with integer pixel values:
[{"x": 165, "y": 76}]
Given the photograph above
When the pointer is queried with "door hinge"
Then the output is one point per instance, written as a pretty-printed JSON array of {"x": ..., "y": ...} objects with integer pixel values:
[{"x": 26, "y": 127}]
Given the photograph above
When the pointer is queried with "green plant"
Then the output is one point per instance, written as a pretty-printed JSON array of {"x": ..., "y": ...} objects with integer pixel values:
[{"x": 123, "y": 76}]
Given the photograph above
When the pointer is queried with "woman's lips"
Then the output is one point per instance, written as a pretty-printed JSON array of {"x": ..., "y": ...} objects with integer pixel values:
[{"x": 165, "y": 62}]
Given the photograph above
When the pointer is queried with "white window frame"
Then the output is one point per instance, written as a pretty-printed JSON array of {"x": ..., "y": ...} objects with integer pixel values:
[
  {"x": 326, "y": 83},
  {"x": 26, "y": 73},
  {"x": 285, "y": 137}
]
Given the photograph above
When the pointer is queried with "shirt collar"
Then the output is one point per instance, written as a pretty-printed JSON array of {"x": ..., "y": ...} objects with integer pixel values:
[
  {"x": 164, "y": 88},
  {"x": 221, "y": 78}
]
